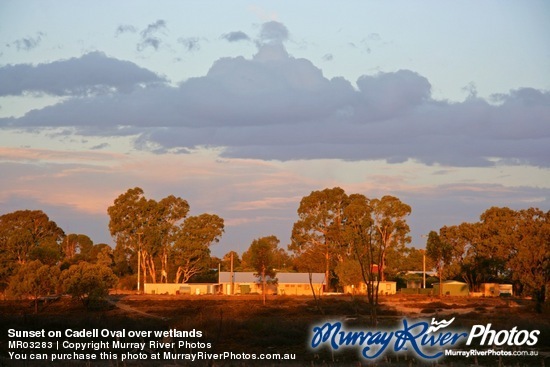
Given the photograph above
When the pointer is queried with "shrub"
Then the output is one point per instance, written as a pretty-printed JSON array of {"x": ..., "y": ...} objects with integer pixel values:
[{"x": 88, "y": 282}]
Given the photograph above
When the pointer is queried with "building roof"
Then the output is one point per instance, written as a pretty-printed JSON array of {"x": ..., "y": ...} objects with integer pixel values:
[
  {"x": 282, "y": 278},
  {"x": 419, "y": 272},
  {"x": 301, "y": 278}
]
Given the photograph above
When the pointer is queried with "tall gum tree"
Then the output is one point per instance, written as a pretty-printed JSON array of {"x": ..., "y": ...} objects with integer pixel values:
[
  {"x": 27, "y": 235},
  {"x": 191, "y": 250},
  {"x": 363, "y": 251},
  {"x": 262, "y": 255},
  {"x": 319, "y": 227},
  {"x": 530, "y": 259},
  {"x": 24, "y": 230},
  {"x": 440, "y": 252},
  {"x": 146, "y": 227},
  {"x": 390, "y": 219}
]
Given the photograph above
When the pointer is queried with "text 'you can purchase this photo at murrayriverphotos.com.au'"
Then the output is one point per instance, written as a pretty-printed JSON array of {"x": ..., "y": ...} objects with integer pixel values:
[{"x": 122, "y": 345}]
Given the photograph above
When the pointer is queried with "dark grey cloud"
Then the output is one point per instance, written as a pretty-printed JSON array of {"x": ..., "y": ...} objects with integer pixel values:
[
  {"x": 150, "y": 37},
  {"x": 235, "y": 36},
  {"x": 125, "y": 28},
  {"x": 275, "y": 106},
  {"x": 91, "y": 73},
  {"x": 190, "y": 44},
  {"x": 28, "y": 43}
]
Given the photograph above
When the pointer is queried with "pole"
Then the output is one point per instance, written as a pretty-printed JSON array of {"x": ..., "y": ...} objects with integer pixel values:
[
  {"x": 232, "y": 275},
  {"x": 139, "y": 263},
  {"x": 424, "y": 269}
]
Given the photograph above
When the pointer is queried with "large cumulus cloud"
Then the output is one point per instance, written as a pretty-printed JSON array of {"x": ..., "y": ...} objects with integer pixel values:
[{"x": 276, "y": 106}]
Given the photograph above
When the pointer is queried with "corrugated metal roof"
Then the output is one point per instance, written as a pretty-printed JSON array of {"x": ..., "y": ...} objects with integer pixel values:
[
  {"x": 301, "y": 278},
  {"x": 283, "y": 278}
]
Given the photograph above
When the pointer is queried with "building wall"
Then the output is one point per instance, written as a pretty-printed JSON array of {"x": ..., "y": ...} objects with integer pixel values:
[
  {"x": 384, "y": 288},
  {"x": 452, "y": 289},
  {"x": 179, "y": 288},
  {"x": 299, "y": 289},
  {"x": 246, "y": 288},
  {"x": 289, "y": 289},
  {"x": 496, "y": 289}
]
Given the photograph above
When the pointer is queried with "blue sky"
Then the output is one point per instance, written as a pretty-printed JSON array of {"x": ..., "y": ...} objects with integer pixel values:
[{"x": 242, "y": 108}]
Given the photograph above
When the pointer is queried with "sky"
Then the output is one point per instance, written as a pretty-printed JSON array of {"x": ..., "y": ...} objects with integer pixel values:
[{"x": 244, "y": 107}]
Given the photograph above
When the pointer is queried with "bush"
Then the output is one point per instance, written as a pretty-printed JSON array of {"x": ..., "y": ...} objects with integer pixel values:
[
  {"x": 127, "y": 282},
  {"x": 88, "y": 282}
]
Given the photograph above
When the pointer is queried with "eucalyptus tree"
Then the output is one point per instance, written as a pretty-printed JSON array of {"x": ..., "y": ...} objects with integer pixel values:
[
  {"x": 463, "y": 242},
  {"x": 77, "y": 244},
  {"x": 530, "y": 259},
  {"x": 191, "y": 249},
  {"x": 390, "y": 220},
  {"x": 363, "y": 250},
  {"x": 146, "y": 226},
  {"x": 481, "y": 250},
  {"x": 231, "y": 258},
  {"x": 34, "y": 279},
  {"x": 262, "y": 255},
  {"x": 27, "y": 235},
  {"x": 319, "y": 227},
  {"x": 440, "y": 252},
  {"x": 23, "y": 231}
]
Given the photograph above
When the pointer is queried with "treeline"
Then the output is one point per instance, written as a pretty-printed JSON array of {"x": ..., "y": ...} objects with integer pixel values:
[
  {"x": 505, "y": 245},
  {"x": 351, "y": 238}
]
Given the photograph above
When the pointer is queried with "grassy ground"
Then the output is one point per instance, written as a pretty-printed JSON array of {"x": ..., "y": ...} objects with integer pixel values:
[{"x": 241, "y": 324}]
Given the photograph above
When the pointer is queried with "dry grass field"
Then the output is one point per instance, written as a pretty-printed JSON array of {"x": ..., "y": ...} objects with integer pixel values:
[{"x": 241, "y": 324}]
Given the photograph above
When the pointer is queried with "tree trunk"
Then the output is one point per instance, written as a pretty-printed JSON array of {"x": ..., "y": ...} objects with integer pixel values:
[
  {"x": 263, "y": 283},
  {"x": 327, "y": 267},
  {"x": 441, "y": 282},
  {"x": 314, "y": 296},
  {"x": 152, "y": 270}
]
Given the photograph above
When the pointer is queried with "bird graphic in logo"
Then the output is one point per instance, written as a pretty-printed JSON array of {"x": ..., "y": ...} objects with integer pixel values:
[{"x": 439, "y": 325}]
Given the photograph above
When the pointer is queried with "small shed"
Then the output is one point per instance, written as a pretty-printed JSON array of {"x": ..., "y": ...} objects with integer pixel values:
[
  {"x": 452, "y": 288},
  {"x": 496, "y": 289}
]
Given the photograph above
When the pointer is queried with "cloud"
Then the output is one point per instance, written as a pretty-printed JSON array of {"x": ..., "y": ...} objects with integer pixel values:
[
  {"x": 91, "y": 73},
  {"x": 273, "y": 32},
  {"x": 277, "y": 107},
  {"x": 149, "y": 37},
  {"x": 235, "y": 36},
  {"x": 125, "y": 28},
  {"x": 28, "y": 43},
  {"x": 190, "y": 44}
]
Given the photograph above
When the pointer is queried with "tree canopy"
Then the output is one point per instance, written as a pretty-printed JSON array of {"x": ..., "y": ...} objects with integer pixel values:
[
  {"x": 261, "y": 257},
  {"x": 162, "y": 235}
]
